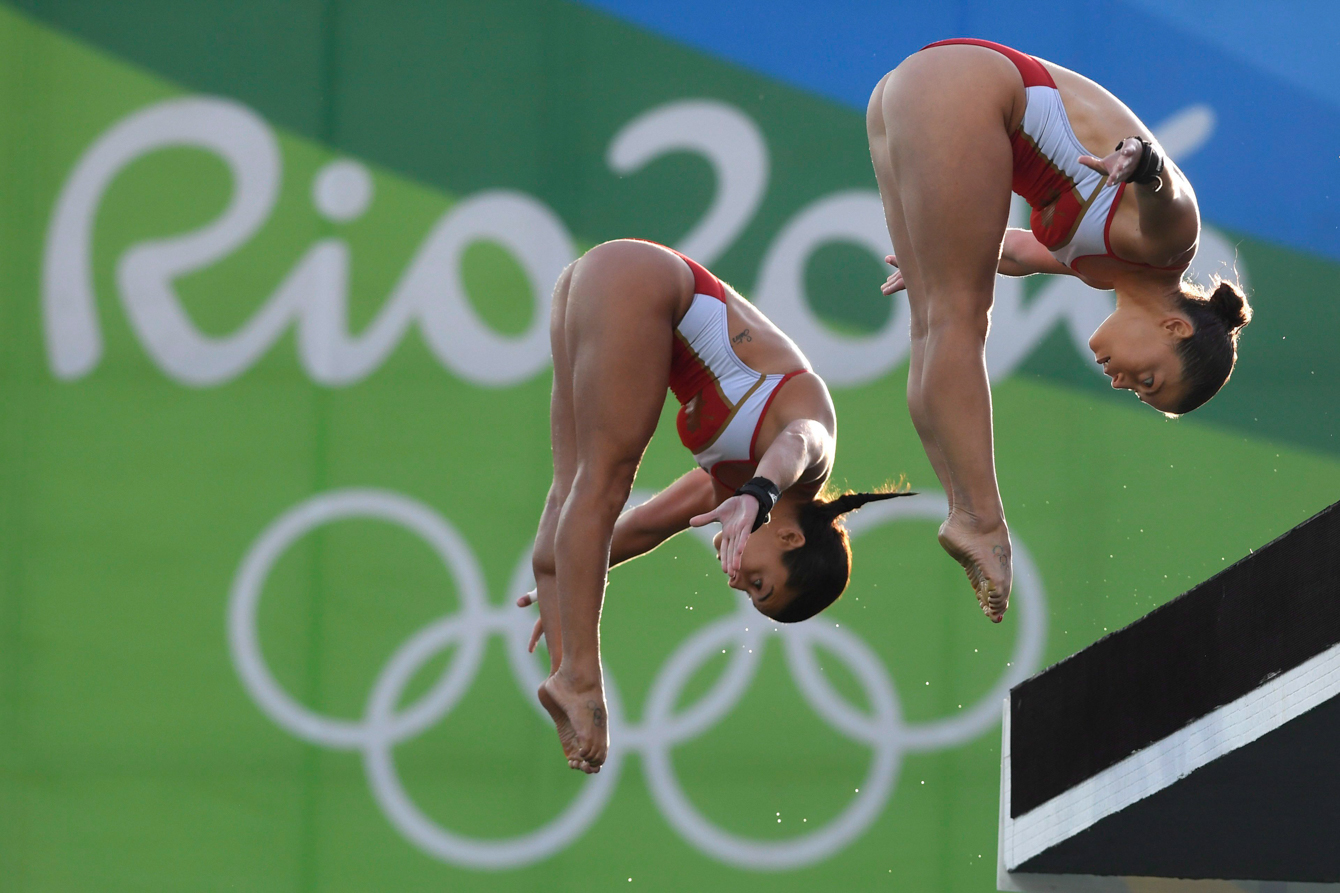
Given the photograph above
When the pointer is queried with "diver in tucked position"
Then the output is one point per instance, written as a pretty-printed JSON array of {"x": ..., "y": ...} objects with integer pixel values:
[
  {"x": 953, "y": 130},
  {"x": 631, "y": 318}
]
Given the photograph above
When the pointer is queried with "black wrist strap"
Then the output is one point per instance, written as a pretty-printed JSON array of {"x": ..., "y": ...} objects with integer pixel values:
[
  {"x": 1150, "y": 165},
  {"x": 767, "y": 493}
]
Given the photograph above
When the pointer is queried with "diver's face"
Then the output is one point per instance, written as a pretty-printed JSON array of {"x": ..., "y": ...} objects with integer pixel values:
[
  {"x": 1138, "y": 351},
  {"x": 762, "y": 575}
]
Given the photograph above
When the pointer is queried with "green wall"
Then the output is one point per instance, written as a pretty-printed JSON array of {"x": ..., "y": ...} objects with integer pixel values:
[{"x": 272, "y": 281}]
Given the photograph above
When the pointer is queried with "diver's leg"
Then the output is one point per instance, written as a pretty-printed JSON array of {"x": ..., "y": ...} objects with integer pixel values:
[
  {"x": 951, "y": 179},
  {"x": 619, "y": 327},
  {"x": 563, "y": 445},
  {"x": 564, "y": 448},
  {"x": 907, "y": 263}
]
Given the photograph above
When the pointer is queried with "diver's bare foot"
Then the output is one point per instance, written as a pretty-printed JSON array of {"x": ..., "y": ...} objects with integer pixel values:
[
  {"x": 986, "y": 559},
  {"x": 567, "y": 738},
  {"x": 581, "y": 718}
]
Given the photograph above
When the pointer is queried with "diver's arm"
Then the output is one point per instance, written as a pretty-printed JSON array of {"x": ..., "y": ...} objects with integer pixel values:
[
  {"x": 1021, "y": 254},
  {"x": 1169, "y": 215},
  {"x": 642, "y": 528},
  {"x": 804, "y": 445}
]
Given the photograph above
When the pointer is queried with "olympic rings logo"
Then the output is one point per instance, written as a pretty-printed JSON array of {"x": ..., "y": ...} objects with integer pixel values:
[{"x": 384, "y": 725}]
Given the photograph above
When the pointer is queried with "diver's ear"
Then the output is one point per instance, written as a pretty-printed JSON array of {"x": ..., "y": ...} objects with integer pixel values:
[
  {"x": 790, "y": 537},
  {"x": 1179, "y": 327}
]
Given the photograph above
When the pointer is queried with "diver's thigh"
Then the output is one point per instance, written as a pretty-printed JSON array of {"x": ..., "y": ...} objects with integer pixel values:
[
  {"x": 952, "y": 164},
  {"x": 562, "y": 433},
  {"x": 619, "y": 333}
]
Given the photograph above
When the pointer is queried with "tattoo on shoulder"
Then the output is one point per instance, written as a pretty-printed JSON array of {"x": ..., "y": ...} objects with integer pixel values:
[{"x": 743, "y": 336}]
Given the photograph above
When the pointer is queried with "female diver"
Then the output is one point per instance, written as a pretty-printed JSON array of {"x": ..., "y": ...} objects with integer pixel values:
[
  {"x": 953, "y": 130},
  {"x": 631, "y": 318}
]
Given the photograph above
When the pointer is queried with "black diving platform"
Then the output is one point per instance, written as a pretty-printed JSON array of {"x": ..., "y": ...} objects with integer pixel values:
[{"x": 1200, "y": 742}]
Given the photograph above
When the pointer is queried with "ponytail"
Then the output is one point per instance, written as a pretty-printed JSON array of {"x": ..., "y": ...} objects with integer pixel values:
[
  {"x": 850, "y": 502},
  {"x": 820, "y": 568}
]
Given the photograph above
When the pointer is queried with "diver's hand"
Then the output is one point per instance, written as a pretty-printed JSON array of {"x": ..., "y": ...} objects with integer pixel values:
[
  {"x": 737, "y": 516},
  {"x": 526, "y": 601},
  {"x": 895, "y": 281},
  {"x": 1118, "y": 166}
]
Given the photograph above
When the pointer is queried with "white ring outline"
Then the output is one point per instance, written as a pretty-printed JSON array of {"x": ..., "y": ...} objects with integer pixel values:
[
  {"x": 244, "y": 642},
  {"x": 382, "y": 726}
]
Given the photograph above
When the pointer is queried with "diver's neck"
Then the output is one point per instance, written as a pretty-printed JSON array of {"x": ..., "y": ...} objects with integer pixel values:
[
  {"x": 788, "y": 507},
  {"x": 1151, "y": 293}
]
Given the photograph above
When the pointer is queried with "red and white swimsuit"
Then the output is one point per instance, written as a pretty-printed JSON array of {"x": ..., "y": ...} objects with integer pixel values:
[
  {"x": 731, "y": 398},
  {"x": 1072, "y": 209}
]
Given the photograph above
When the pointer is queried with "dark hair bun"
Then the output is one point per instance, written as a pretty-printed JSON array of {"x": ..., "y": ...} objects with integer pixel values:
[{"x": 1230, "y": 305}]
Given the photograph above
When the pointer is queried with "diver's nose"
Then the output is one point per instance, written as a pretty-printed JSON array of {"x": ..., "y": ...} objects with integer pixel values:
[{"x": 716, "y": 541}]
